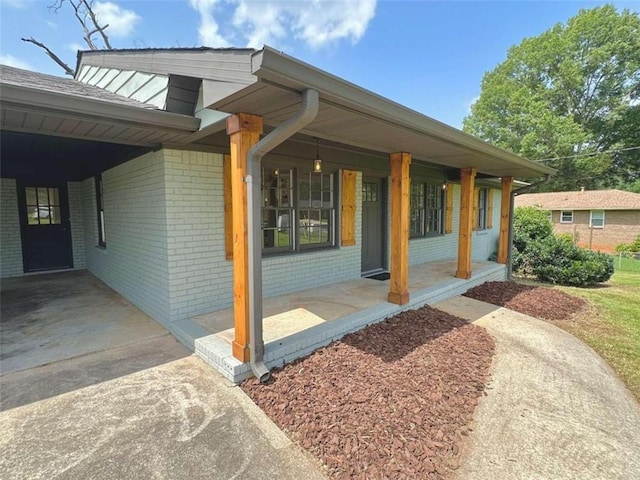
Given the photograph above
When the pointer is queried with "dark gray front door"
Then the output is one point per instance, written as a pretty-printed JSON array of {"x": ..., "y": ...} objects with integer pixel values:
[
  {"x": 372, "y": 226},
  {"x": 46, "y": 232}
]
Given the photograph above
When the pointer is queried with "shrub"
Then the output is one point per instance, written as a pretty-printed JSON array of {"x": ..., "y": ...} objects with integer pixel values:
[
  {"x": 628, "y": 248},
  {"x": 555, "y": 259}
]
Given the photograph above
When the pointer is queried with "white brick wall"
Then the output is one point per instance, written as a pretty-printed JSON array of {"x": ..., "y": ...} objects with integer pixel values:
[
  {"x": 10, "y": 240},
  {"x": 135, "y": 261},
  {"x": 485, "y": 242},
  {"x": 76, "y": 217},
  {"x": 200, "y": 278}
]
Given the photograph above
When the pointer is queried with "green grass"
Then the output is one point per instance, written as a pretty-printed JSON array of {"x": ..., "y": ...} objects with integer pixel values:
[
  {"x": 612, "y": 326},
  {"x": 626, "y": 264}
]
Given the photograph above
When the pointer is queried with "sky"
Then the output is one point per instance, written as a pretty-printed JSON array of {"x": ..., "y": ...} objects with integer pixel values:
[{"x": 428, "y": 55}]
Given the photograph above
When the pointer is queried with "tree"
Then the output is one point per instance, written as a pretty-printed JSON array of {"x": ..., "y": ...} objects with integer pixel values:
[
  {"x": 84, "y": 13},
  {"x": 570, "y": 98}
]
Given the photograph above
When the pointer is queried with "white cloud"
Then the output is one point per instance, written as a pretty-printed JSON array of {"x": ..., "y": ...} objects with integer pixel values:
[
  {"x": 208, "y": 30},
  {"x": 315, "y": 22},
  {"x": 12, "y": 61},
  {"x": 74, "y": 47},
  {"x": 120, "y": 20}
]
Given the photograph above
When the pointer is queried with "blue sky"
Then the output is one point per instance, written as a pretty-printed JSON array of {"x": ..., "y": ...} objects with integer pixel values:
[{"x": 428, "y": 55}]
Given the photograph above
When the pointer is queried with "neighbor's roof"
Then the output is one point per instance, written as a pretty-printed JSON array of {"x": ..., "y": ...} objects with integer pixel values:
[
  {"x": 66, "y": 86},
  {"x": 587, "y": 200}
]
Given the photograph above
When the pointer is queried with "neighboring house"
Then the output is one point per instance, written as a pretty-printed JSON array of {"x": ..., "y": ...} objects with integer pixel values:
[
  {"x": 598, "y": 219},
  {"x": 137, "y": 171}
]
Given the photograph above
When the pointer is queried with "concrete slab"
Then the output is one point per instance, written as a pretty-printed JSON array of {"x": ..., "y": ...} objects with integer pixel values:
[
  {"x": 554, "y": 408},
  {"x": 177, "y": 419},
  {"x": 51, "y": 317}
]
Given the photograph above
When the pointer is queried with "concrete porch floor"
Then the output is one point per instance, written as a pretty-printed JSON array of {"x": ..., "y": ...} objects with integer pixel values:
[
  {"x": 50, "y": 317},
  {"x": 291, "y": 313},
  {"x": 298, "y": 323}
]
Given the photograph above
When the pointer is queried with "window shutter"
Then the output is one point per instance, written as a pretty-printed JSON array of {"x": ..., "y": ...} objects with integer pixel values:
[
  {"x": 448, "y": 213},
  {"x": 490, "y": 208},
  {"x": 348, "y": 216},
  {"x": 228, "y": 208},
  {"x": 476, "y": 200}
]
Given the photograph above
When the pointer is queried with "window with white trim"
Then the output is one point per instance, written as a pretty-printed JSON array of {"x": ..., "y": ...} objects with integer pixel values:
[
  {"x": 426, "y": 211},
  {"x": 596, "y": 219},
  {"x": 483, "y": 195},
  {"x": 566, "y": 216}
]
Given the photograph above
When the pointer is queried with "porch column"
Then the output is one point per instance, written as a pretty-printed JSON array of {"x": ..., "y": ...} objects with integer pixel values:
[
  {"x": 467, "y": 186},
  {"x": 399, "y": 285},
  {"x": 244, "y": 131},
  {"x": 505, "y": 210}
]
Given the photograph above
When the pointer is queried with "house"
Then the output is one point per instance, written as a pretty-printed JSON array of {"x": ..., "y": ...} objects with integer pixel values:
[
  {"x": 199, "y": 180},
  {"x": 597, "y": 219}
]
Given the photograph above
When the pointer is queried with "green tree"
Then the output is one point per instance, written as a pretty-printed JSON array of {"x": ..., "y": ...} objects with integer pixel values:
[{"x": 571, "y": 95}]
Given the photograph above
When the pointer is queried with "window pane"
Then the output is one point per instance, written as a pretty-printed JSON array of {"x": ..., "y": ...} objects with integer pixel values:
[
  {"x": 305, "y": 199},
  {"x": 316, "y": 181},
  {"x": 268, "y": 218},
  {"x": 54, "y": 217},
  {"x": 54, "y": 198},
  {"x": 31, "y": 197}
]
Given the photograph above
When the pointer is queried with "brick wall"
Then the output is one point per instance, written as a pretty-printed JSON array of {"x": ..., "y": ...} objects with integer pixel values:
[
  {"x": 10, "y": 240},
  {"x": 134, "y": 262},
  {"x": 76, "y": 218},
  {"x": 620, "y": 226},
  {"x": 445, "y": 247}
]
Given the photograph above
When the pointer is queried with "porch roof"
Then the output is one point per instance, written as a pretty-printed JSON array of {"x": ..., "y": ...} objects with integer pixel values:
[{"x": 354, "y": 116}]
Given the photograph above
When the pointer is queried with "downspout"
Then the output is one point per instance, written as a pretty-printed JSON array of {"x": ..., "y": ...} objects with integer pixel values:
[
  {"x": 511, "y": 210},
  {"x": 285, "y": 130}
]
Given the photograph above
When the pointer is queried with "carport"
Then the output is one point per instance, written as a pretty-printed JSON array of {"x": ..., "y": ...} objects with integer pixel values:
[{"x": 52, "y": 317}]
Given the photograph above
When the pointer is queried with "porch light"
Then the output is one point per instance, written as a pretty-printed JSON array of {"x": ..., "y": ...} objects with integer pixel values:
[
  {"x": 444, "y": 186},
  {"x": 317, "y": 163}
]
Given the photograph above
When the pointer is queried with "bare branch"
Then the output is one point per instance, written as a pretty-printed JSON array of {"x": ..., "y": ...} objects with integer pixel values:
[
  {"x": 67, "y": 69},
  {"x": 94, "y": 20}
]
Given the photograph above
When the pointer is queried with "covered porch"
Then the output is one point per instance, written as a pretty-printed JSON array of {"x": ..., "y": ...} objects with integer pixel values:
[{"x": 295, "y": 324}]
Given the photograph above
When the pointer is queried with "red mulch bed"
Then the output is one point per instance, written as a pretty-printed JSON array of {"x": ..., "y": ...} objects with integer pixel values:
[
  {"x": 540, "y": 302},
  {"x": 394, "y": 400}
]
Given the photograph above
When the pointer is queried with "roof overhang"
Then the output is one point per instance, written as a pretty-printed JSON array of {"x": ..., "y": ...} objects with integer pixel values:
[
  {"x": 31, "y": 110},
  {"x": 353, "y": 116}
]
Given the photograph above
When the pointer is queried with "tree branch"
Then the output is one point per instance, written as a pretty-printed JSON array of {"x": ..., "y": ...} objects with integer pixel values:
[
  {"x": 94, "y": 20},
  {"x": 67, "y": 69}
]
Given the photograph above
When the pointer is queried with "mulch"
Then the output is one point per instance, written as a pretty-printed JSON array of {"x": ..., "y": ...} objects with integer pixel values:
[
  {"x": 539, "y": 302},
  {"x": 394, "y": 400}
]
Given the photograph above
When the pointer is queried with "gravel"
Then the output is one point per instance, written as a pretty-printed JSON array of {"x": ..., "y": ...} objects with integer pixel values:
[
  {"x": 540, "y": 302},
  {"x": 394, "y": 400}
]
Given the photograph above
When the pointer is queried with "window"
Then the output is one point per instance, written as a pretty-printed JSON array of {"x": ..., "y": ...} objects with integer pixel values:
[
  {"x": 482, "y": 208},
  {"x": 426, "y": 217},
  {"x": 597, "y": 219},
  {"x": 43, "y": 205},
  {"x": 102, "y": 239},
  {"x": 277, "y": 209},
  {"x": 297, "y": 213},
  {"x": 316, "y": 209},
  {"x": 566, "y": 216}
]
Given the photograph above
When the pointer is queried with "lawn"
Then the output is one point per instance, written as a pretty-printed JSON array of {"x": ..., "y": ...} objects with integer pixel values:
[{"x": 612, "y": 326}]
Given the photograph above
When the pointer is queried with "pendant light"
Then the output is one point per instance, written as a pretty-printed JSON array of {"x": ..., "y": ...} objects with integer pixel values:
[{"x": 317, "y": 163}]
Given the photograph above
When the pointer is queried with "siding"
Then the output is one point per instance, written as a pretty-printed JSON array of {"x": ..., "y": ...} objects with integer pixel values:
[
  {"x": 485, "y": 242},
  {"x": 134, "y": 263},
  {"x": 10, "y": 240}
]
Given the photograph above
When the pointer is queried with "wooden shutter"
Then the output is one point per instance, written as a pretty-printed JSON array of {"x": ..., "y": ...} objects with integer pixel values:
[
  {"x": 448, "y": 213},
  {"x": 228, "y": 208},
  {"x": 348, "y": 216},
  {"x": 476, "y": 200},
  {"x": 490, "y": 208}
]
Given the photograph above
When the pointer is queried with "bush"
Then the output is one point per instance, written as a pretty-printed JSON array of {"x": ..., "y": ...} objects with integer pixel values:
[
  {"x": 555, "y": 259},
  {"x": 629, "y": 248}
]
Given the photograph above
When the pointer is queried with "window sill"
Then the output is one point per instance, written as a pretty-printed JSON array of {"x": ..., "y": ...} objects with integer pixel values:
[
  {"x": 484, "y": 231},
  {"x": 292, "y": 253},
  {"x": 426, "y": 237},
  {"x": 101, "y": 247}
]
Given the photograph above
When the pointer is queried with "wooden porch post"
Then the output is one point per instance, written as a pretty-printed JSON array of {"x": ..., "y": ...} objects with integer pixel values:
[
  {"x": 244, "y": 131},
  {"x": 505, "y": 210},
  {"x": 399, "y": 285},
  {"x": 467, "y": 186}
]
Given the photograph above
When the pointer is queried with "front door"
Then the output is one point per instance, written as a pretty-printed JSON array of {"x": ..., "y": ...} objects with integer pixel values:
[
  {"x": 372, "y": 225},
  {"x": 45, "y": 227}
]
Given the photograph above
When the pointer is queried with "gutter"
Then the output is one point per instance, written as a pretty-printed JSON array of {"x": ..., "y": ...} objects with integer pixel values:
[
  {"x": 512, "y": 197},
  {"x": 307, "y": 113}
]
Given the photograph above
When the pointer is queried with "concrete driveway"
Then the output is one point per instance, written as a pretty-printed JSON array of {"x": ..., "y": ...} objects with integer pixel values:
[
  {"x": 51, "y": 317},
  {"x": 149, "y": 410},
  {"x": 554, "y": 408}
]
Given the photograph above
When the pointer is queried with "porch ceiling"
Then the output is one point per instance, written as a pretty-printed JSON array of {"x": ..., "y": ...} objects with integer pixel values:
[{"x": 353, "y": 116}]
